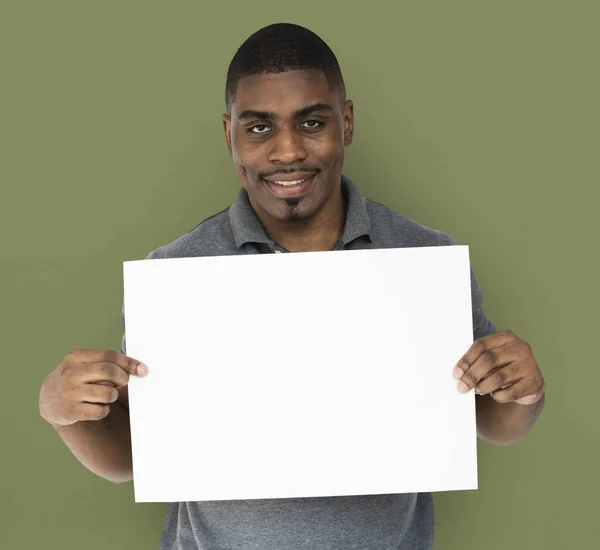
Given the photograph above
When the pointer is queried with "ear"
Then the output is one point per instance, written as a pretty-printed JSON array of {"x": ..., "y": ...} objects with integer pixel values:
[
  {"x": 227, "y": 128},
  {"x": 348, "y": 115}
]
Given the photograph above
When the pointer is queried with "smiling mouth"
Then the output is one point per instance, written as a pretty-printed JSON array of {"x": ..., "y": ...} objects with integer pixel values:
[
  {"x": 289, "y": 189},
  {"x": 289, "y": 183}
]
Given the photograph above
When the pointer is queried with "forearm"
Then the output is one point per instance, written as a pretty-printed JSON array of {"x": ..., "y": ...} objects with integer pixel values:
[
  {"x": 505, "y": 423},
  {"x": 104, "y": 446}
]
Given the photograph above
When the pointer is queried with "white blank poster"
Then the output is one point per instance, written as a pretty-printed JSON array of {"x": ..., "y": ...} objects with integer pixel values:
[{"x": 300, "y": 374}]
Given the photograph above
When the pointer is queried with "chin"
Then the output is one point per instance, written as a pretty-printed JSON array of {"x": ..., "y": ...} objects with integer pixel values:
[{"x": 296, "y": 211}]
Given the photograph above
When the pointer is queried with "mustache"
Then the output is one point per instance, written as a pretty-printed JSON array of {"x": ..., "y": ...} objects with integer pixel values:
[{"x": 289, "y": 171}]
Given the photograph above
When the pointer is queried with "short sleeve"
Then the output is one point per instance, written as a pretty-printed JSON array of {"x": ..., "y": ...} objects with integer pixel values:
[{"x": 481, "y": 324}]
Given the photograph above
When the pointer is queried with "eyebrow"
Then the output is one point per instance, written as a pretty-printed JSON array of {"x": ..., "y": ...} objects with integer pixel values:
[{"x": 309, "y": 109}]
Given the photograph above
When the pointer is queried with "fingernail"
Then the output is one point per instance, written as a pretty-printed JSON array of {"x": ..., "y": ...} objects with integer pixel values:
[
  {"x": 457, "y": 373},
  {"x": 142, "y": 369},
  {"x": 462, "y": 387}
]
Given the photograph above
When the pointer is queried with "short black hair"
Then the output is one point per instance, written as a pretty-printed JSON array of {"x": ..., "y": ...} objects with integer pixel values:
[{"x": 280, "y": 48}]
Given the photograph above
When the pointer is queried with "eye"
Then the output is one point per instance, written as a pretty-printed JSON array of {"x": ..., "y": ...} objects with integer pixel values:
[
  {"x": 251, "y": 129},
  {"x": 261, "y": 129},
  {"x": 318, "y": 123}
]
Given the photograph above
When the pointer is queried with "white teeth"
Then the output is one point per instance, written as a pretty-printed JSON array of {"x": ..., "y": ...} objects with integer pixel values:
[{"x": 285, "y": 183}]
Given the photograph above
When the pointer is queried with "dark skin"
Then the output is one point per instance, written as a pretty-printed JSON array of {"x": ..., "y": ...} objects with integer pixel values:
[
  {"x": 285, "y": 142},
  {"x": 305, "y": 129},
  {"x": 268, "y": 135},
  {"x": 508, "y": 383}
]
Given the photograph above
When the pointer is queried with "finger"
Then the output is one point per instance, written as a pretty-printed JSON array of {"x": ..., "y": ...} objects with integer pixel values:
[
  {"x": 106, "y": 383},
  {"x": 97, "y": 373},
  {"x": 517, "y": 391},
  {"x": 486, "y": 364},
  {"x": 96, "y": 393},
  {"x": 531, "y": 399},
  {"x": 128, "y": 364},
  {"x": 480, "y": 346},
  {"x": 498, "y": 379},
  {"x": 92, "y": 411}
]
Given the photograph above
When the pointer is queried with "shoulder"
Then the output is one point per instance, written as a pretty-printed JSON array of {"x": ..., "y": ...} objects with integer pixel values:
[
  {"x": 211, "y": 237},
  {"x": 392, "y": 229}
]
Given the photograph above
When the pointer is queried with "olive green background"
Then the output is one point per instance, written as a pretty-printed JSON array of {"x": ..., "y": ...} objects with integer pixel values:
[{"x": 479, "y": 118}]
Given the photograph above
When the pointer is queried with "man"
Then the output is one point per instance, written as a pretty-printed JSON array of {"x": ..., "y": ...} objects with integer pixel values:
[{"x": 286, "y": 127}]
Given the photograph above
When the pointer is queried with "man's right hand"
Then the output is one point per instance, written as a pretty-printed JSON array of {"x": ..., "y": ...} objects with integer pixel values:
[{"x": 84, "y": 384}]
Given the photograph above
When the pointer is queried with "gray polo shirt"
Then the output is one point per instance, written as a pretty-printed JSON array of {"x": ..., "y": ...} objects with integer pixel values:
[{"x": 375, "y": 522}]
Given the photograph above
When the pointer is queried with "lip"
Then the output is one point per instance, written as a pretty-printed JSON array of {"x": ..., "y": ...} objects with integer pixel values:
[{"x": 291, "y": 191}]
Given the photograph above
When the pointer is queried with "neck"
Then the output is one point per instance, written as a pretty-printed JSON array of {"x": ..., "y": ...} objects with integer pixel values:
[{"x": 319, "y": 233}]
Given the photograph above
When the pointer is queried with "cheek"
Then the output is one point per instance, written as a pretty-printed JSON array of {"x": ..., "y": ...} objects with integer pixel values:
[
  {"x": 330, "y": 153},
  {"x": 247, "y": 172},
  {"x": 241, "y": 172},
  {"x": 237, "y": 151},
  {"x": 246, "y": 164},
  {"x": 246, "y": 156},
  {"x": 333, "y": 146}
]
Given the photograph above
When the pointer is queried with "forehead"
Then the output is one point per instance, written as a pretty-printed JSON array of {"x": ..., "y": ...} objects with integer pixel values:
[{"x": 283, "y": 93}]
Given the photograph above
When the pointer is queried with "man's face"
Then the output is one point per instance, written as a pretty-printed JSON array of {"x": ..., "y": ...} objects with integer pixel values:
[{"x": 288, "y": 126}]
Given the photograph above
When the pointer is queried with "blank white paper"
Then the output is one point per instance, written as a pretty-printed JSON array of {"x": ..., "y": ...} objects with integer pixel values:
[{"x": 300, "y": 374}]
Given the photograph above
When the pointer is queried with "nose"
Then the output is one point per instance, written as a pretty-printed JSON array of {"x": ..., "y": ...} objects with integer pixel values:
[{"x": 288, "y": 148}]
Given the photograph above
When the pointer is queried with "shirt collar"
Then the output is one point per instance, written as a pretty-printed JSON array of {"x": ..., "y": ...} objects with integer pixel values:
[{"x": 246, "y": 227}]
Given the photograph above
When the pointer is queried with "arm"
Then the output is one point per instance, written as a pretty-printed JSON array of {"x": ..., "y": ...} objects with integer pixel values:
[
  {"x": 103, "y": 446},
  {"x": 509, "y": 386},
  {"x": 505, "y": 423},
  {"x": 500, "y": 361},
  {"x": 80, "y": 400}
]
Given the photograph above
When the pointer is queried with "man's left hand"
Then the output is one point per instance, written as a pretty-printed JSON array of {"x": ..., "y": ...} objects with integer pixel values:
[{"x": 502, "y": 365}]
